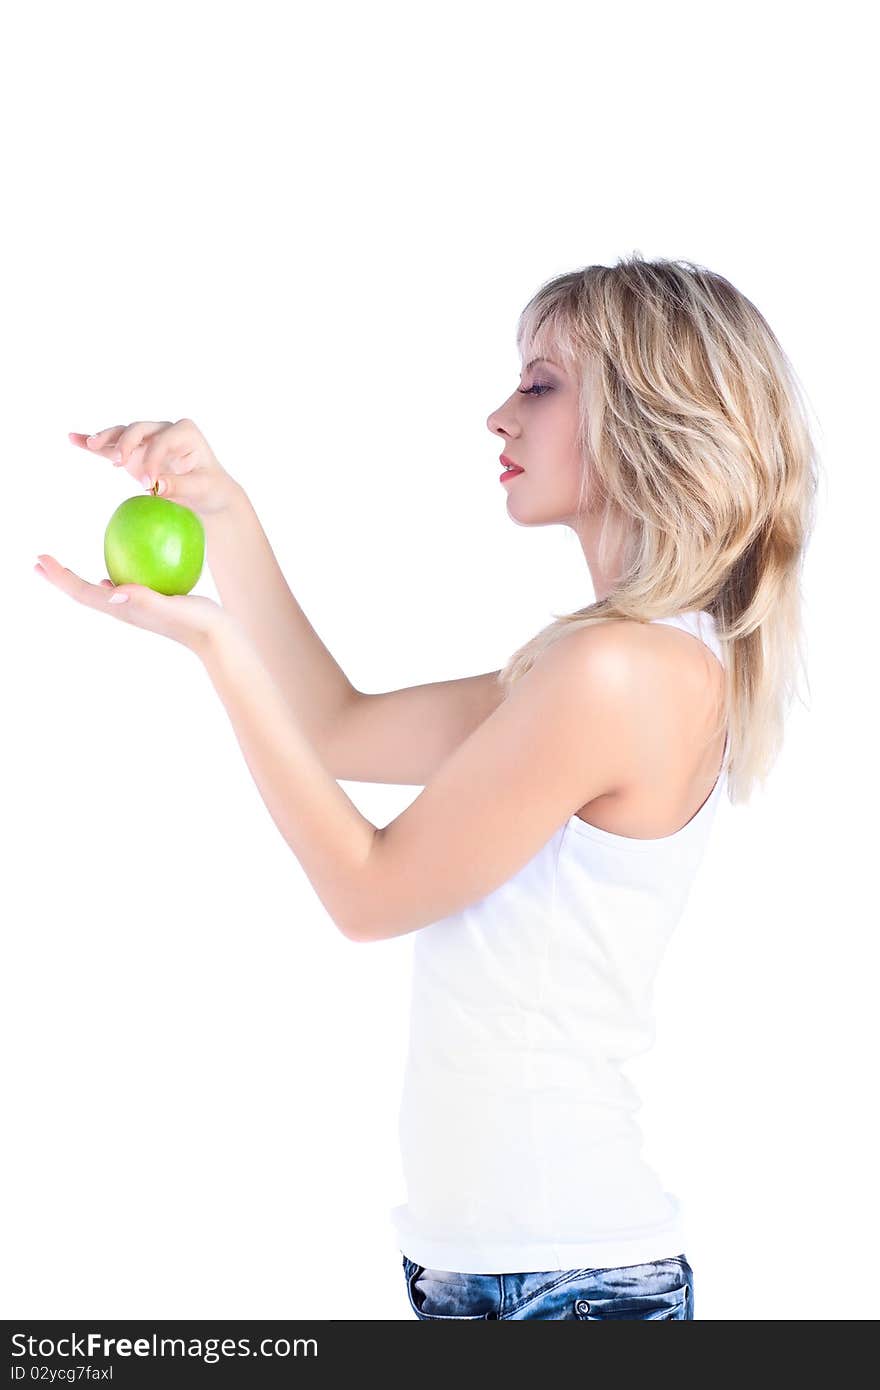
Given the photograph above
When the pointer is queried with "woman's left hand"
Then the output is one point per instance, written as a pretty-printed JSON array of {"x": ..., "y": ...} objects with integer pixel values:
[{"x": 182, "y": 617}]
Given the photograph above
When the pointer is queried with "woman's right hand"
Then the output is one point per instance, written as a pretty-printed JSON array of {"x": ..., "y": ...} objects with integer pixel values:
[{"x": 173, "y": 453}]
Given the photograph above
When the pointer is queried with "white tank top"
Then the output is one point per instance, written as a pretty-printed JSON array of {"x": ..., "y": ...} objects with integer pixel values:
[{"x": 519, "y": 1147}]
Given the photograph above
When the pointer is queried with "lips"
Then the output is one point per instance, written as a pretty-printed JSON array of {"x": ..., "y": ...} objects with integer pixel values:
[{"x": 509, "y": 463}]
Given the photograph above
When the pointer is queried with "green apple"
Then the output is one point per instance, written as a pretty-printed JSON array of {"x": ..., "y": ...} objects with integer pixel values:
[{"x": 153, "y": 541}]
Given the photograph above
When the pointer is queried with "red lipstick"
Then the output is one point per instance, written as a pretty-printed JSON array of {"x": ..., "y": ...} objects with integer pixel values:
[{"x": 511, "y": 469}]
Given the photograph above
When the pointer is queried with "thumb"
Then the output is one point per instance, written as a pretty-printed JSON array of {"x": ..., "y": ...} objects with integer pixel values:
[
  {"x": 181, "y": 487},
  {"x": 197, "y": 490}
]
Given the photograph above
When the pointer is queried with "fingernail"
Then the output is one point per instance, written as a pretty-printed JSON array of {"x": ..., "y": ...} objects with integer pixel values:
[
  {"x": 118, "y": 598},
  {"x": 117, "y": 457}
]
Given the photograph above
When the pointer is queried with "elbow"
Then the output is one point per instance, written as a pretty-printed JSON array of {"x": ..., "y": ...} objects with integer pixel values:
[
  {"x": 364, "y": 931},
  {"x": 354, "y": 930},
  {"x": 360, "y": 911}
]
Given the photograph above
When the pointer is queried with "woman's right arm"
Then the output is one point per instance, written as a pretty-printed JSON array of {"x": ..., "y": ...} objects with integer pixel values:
[
  {"x": 396, "y": 736},
  {"x": 253, "y": 589},
  {"x": 404, "y": 736}
]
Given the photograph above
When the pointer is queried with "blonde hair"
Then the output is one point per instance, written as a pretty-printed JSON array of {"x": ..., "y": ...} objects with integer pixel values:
[{"x": 700, "y": 465}]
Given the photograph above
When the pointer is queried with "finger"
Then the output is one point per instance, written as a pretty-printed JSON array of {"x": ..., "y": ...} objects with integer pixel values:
[
  {"x": 70, "y": 583},
  {"x": 186, "y": 482},
  {"x": 175, "y": 443},
  {"x": 192, "y": 489},
  {"x": 104, "y": 445},
  {"x": 103, "y": 439},
  {"x": 122, "y": 440}
]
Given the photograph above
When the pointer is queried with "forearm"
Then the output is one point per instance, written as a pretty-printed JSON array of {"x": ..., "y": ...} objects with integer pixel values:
[
  {"x": 254, "y": 592},
  {"x": 331, "y": 839}
]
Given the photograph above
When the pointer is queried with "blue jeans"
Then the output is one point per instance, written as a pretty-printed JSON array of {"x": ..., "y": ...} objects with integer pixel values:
[{"x": 662, "y": 1290}]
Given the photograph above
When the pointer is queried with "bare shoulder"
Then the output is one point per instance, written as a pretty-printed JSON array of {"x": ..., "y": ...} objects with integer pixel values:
[
  {"x": 594, "y": 685},
  {"x": 658, "y": 686},
  {"x": 649, "y": 677},
  {"x": 584, "y": 667},
  {"x": 603, "y": 642},
  {"x": 618, "y": 653},
  {"x": 624, "y": 647},
  {"x": 666, "y": 686}
]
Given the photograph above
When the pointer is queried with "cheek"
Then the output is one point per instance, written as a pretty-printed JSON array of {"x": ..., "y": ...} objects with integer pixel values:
[
  {"x": 564, "y": 475},
  {"x": 560, "y": 452}
]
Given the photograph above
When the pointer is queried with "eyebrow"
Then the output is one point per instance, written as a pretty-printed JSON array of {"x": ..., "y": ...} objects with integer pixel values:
[{"x": 540, "y": 359}]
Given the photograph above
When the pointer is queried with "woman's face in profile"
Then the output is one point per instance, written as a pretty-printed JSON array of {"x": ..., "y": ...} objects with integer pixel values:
[{"x": 538, "y": 426}]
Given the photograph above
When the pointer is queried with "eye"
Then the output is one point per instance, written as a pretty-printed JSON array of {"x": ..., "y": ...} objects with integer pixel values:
[{"x": 537, "y": 390}]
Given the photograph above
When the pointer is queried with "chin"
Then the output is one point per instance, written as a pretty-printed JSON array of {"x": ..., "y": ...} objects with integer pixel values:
[{"x": 526, "y": 514}]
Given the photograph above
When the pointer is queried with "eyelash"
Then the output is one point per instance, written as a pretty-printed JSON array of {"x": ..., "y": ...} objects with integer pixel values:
[{"x": 537, "y": 390}]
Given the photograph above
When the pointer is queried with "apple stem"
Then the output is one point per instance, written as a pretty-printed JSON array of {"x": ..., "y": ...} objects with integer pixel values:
[{"x": 154, "y": 490}]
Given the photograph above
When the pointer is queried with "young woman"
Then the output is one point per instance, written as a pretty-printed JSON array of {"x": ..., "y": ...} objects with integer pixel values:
[{"x": 567, "y": 797}]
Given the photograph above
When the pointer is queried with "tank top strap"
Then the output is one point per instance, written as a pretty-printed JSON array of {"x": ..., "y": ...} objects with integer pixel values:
[{"x": 700, "y": 623}]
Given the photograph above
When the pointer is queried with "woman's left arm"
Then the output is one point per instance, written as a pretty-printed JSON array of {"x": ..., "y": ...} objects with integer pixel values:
[
  {"x": 565, "y": 734},
  {"x": 325, "y": 830}
]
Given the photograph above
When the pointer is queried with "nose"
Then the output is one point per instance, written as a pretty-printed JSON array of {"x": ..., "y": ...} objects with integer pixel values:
[
  {"x": 500, "y": 421},
  {"x": 493, "y": 423}
]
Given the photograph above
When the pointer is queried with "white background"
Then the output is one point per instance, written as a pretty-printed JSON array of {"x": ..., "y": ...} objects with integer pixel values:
[{"x": 312, "y": 229}]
